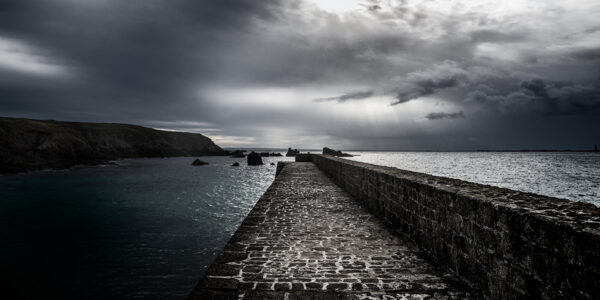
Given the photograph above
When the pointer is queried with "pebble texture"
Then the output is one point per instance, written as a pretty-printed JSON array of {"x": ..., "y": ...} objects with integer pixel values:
[
  {"x": 308, "y": 239},
  {"x": 506, "y": 244}
]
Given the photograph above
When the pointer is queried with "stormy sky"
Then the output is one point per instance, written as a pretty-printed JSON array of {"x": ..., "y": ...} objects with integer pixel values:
[{"x": 354, "y": 74}]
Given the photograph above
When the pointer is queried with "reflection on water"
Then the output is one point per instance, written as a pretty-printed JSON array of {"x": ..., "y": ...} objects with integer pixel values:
[
  {"x": 570, "y": 175},
  {"x": 144, "y": 228}
]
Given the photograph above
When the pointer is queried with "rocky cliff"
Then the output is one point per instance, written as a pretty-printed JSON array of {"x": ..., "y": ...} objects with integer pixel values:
[{"x": 27, "y": 144}]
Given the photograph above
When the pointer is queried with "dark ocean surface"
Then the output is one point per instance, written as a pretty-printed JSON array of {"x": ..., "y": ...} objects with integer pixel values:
[
  {"x": 149, "y": 228},
  {"x": 143, "y": 228}
]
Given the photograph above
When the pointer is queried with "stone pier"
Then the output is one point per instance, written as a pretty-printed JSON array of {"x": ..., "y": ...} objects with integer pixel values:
[
  {"x": 332, "y": 228},
  {"x": 306, "y": 238}
]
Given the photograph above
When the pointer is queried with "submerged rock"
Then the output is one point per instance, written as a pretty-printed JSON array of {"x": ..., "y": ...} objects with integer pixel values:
[
  {"x": 235, "y": 164},
  {"x": 337, "y": 153},
  {"x": 254, "y": 159},
  {"x": 198, "y": 162},
  {"x": 272, "y": 164}
]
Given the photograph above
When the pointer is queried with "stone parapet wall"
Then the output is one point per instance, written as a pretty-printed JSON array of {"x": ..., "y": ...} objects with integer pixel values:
[{"x": 504, "y": 243}]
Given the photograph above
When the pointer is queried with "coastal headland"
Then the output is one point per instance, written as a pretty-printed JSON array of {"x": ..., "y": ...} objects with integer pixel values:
[{"x": 27, "y": 145}]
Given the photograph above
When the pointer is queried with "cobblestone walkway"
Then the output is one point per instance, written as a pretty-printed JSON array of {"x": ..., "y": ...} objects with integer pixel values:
[{"x": 307, "y": 239}]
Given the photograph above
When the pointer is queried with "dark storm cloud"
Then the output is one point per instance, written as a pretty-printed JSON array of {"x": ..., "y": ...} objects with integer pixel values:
[
  {"x": 428, "y": 82},
  {"x": 127, "y": 58},
  {"x": 254, "y": 69},
  {"x": 425, "y": 87},
  {"x": 445, "y": 115},
  {"x": 587, "y": 54},
  {"x": 536, "y": 88},
  {"x": 346, "y": 97},
  {"x": 541, "y": 98}
]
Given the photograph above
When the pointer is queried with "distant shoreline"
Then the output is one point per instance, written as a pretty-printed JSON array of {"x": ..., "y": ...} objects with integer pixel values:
[
  {"x": 355, "y": 150},
  {"x": 533, "y": 150}
]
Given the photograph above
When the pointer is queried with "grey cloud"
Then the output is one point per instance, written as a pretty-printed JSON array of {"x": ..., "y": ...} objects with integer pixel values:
[
  {"x": 592, "y": 29},
  {"x": 542, "y": 98},
  {"x": 371, "y": 5},
  {"x": 402, "y": 11},
  {"x": 430, "y": 81},
  {"x": 445, "y": 115},
  {"x": 536, "y": 87},
  {"x": 425, "y": 87},
  {"x": 346, "y": 97},
  {"x": 374, "y": 7},
  {"x": 587, "y": 54},
  {"x": 488, "y": 35}
]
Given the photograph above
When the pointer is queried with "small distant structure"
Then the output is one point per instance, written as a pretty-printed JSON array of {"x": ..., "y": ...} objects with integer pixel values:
[{"x": 291, "y": 152}]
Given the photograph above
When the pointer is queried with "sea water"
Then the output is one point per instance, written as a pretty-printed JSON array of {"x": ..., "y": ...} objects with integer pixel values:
[
  {"x": 143, "y": 228},
  {"x": 150, "y": 227},
  {"x": 568, "y": 175}
]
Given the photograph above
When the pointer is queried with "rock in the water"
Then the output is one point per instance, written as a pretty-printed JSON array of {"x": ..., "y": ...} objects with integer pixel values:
[
  {"x": 254, "y": 159},
  {"x": 275, "y": 154},
  {"x": 292, "y": 152},
  {"x": 236, "y": 164},
  {"x": 337, "y": 153},
  {"x": 272, "y": 164},
  {"x": 198, "y": 162}
]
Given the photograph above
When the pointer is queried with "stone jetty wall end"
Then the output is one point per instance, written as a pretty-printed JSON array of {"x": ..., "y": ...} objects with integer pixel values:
[{"x": 504, "y": 243}]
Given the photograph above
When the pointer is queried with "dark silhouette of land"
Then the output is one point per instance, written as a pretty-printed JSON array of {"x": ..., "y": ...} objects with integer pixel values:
[{"x": 27, "y": 145}]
